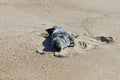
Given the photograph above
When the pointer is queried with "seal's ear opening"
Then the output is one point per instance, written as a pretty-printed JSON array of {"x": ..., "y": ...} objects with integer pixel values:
[{"x": 50, "y": 31}]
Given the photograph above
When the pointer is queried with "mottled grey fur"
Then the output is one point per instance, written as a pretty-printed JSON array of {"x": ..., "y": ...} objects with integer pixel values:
[{"x": 61, "y": 38}]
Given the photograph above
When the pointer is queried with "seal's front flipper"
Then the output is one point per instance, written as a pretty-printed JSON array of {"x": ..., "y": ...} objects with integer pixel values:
[
  {"x": 75, "y": 35},
  {"x": 44, "y": 34}
]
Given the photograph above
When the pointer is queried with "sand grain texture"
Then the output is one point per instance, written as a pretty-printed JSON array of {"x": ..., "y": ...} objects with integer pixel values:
[{"x": 22, "y": 21}]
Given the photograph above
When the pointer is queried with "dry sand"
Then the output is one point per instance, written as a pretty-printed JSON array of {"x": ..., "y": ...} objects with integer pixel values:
[{"x": 22, "y": 21}]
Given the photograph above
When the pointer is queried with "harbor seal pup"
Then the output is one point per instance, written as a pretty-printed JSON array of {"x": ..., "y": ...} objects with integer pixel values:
[{"x": 61, "y": 38}]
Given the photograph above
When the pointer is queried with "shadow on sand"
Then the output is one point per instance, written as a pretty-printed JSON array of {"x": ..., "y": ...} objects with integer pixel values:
[{"x": 47, "y": 45}]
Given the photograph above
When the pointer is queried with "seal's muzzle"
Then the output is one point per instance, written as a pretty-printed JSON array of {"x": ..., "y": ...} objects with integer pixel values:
[{"x": 57, "y": 46}]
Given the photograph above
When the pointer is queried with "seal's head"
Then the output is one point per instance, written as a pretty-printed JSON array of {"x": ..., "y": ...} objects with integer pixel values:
[{"x": 60, "y": 41}]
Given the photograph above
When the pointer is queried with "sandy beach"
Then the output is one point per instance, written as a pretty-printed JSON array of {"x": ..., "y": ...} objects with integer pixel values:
[{"x": 22, "y": 22}]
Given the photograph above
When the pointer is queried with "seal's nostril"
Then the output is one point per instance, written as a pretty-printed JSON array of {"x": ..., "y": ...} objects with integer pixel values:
[{"x": 57, "y": 47}]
